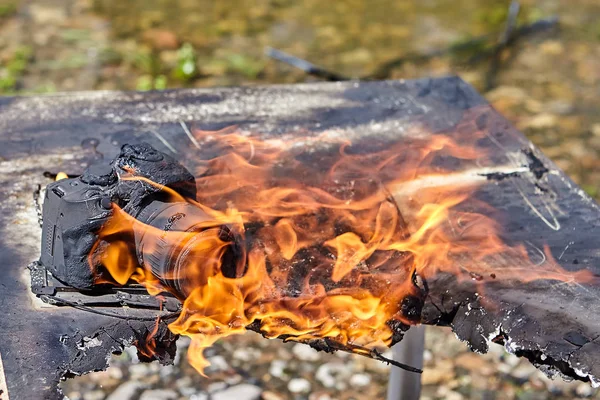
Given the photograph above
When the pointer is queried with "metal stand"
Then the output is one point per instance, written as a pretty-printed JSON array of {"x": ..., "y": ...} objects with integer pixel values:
[{"x": 405, "y": 385}]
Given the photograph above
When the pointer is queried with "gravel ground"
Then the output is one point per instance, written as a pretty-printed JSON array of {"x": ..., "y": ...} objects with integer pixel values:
[{"x": 249, "y": 367}]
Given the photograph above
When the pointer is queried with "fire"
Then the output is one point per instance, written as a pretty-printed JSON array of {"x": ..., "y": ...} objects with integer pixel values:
[{"x": 315, "y": 237}]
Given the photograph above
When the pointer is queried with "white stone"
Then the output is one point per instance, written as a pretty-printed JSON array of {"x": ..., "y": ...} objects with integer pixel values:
[
  {"x": 127, "y": 391},
  {"x": 246, "y": 354},
  {"x": 299, "y": 385},
  {"x": 159, "y": 394},
  {"x": 216, "y": 387},
  {"x": 277, "y": 367},
  {"x": 218, "y": 363},
  {"x": 167, "y": 370},
  {"x": 94, "y": 395},
  {"x": 240, "y": 392},
  {"x": 115, "y": 373},
  {"x": 305, "y": 353},
  {"x": 584, "y": 390},
  {"x": 138, "y": 371},
  {"x": 360, "y": 380},
  {"x": 330, "y": 373}
]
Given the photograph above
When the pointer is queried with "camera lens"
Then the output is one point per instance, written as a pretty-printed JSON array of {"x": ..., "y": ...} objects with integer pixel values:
[{"x": 182, "y": 247}]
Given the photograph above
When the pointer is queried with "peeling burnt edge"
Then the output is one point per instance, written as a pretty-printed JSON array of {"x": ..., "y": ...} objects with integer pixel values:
[
  {"x": 542, "y": 361},
  {"x": 471, "y": 331},
  {"x": 113, "y": 339}
]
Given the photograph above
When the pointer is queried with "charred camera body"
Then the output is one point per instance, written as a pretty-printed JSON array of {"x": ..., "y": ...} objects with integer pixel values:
[{"x": 76, "y": 209}]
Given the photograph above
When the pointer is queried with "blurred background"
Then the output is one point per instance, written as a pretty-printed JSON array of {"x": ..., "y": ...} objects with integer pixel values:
[{"x": 545, "y": 79}]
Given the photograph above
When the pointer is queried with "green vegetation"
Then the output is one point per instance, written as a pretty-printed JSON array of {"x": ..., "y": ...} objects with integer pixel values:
[
  {"x": 186, "y": 67},
  {"x": 6, "y": 10},
  {"x": 13, "y": 70}
]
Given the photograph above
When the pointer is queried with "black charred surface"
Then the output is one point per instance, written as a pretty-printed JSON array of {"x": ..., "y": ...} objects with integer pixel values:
[
  {"x": 498, "y": 176},
  {"x": 555, "y": 325}
]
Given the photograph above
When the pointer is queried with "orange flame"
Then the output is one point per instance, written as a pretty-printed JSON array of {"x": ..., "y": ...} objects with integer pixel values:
[{"x": 326, "y": 251}]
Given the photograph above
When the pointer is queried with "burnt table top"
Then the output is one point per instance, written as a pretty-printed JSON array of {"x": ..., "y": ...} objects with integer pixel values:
[{"x": 554, "y": 324}]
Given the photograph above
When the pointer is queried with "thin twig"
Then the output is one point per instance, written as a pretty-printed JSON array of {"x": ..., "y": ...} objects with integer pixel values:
[
  {"x": 521, "y": 32},
  {"x": 385, "y": 69},
  {"x": 189, "y": 134},
  {"x": 304, "y": 65},
  {"x": 504, "y": 40},
  {"x": 163, "y": 140}
]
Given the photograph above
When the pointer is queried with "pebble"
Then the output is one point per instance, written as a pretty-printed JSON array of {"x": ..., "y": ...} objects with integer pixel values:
[
  {"x": 217, "y": 363},
  {"x": 268, "y": 395},
  {"x": 276, "y": 369},
  {"x": 233, "y": 380},
  {"x": 305, "y": 353},
  {"x": 360, "y": 380},
  {"x": 132, "y": 353},
  {"x": 159, "y": 394},
  {"x": 474, "y": 363},
  {"x": 523, "y": 371},
  {"x": 94, "y": 395},
  {"x": 320, "y": 396},
  {"x": 427, "y": 355},
  {"x": 239, "y": 392},
  {"x": 503, "y": 92},
  {"x": 138, "y": 371},
  {"x": 452, "y": 395},
  {"x": 115, "y": 373},
  {"x": 43, "y": 14},
  {"x": 216, "y": 387},
  {"x": 167, "y": 371},
  {"x": 185, "y": 385},
  {"x": 246, "y": 354},
  {"x": 299, "y": 385},
  {"x": 584, "y": 390},
  {"x": 448, "y": 394},
  {"x": 329, "y": 373},
  {"x": 561, "y": 107},
  {"x": 127, "y": 391},
  {"x": 540, "y": 121},
  {"x": 552, "y": 47},
  {"x": 443, "y": 371}
]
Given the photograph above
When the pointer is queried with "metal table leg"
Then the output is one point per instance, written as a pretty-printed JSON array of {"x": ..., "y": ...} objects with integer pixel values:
[{"x": 405, "y": 385}]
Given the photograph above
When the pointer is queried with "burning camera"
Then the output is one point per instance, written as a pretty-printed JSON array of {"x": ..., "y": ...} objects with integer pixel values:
[{"x": 74, "y": 211}]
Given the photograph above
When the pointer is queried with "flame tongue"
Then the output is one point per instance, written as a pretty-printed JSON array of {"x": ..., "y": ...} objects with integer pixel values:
[{"x": 318, "y": 245}]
